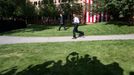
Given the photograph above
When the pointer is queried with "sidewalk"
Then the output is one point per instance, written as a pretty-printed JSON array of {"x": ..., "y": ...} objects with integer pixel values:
[{"x": 16, "y": 39}]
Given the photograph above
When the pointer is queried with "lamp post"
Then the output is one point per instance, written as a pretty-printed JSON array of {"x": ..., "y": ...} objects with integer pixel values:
[
  {"x": 71, "y": 15},
  {"x": 71, "y": 5},
  {"x": 71, "y": 8},
  {"x": 70, "y": 12}
]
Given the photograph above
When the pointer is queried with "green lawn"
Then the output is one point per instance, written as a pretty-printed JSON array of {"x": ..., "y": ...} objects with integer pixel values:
[
  {"x": 21, "y": 56},
  {"x": 94, "y": 29}
]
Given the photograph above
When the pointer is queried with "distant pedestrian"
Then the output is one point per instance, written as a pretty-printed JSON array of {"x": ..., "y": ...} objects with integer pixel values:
[
  {"x": 62, "y": 22},
  {"x": 76, "y": 22}
]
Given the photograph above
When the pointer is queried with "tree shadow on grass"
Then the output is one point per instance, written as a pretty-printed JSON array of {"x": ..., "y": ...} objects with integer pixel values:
[
  {"x": 120, "y": 23},
  {"x": 39, "y": 27},
  {"x": 74, "y": 65},
  {"x": 30, "y": 28},
  {"x": 131, "y": 73}
]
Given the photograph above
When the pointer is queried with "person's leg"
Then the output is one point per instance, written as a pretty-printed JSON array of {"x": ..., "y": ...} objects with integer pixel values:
[
  {"x": 74, "y": 31},
  {"x": 60, "y": 27},
  {"x": 64, "y": 26},
  {"x": 80, "y": 32}
]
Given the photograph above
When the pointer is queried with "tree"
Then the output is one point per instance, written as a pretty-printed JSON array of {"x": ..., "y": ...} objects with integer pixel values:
[
  {"x": 69, "y": 7},
  {"x": 24, "y": 8},
  {"x": 119, "y": 8},
  {"x": 10, "y": 8},
  {"x": 7, "y": 8},
  {"x": 48, "y": 9},
  {"x": 128, "y": 9}
]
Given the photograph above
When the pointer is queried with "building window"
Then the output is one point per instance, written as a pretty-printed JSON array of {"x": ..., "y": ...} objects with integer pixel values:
[
  {"x": 39, "y": 2},
  {"x": 59, "y": 1},
  {"x": 35, "y": 3},
  {"x": 54, "y": 1}
]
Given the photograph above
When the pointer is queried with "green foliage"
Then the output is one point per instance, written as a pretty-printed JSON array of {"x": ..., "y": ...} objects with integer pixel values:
[
  {"x": 7, "y": 8},
  {"x": 48, "y": 9},
  {"x": 24, "y": 8},
  {"x": 116, "y": 8},
  {"x": 47, "y": 1},
  {"x": 18, "y": 11},
  {"x": 66, "y": 8},
  {"x": 69, "y": 1},
  {"x": 29, "y": 10},
  {"x": 99, "y": 5},
  {"x": 69, "y": 7},
  {"x": 77, "y": 8},
  {"x": 128, "y": 8}
]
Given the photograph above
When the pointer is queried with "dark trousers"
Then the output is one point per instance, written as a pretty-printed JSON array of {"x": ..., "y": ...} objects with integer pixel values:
[
  {"x": 75, "y": 30},
  {"x": 62, "y": 25}
]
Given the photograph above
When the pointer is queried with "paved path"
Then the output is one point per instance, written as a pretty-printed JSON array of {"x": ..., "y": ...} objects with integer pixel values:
[{"x": 14, "y": 39}]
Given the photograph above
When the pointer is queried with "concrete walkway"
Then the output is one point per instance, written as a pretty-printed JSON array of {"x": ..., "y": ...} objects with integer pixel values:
[{"x": 15, "y": 39}]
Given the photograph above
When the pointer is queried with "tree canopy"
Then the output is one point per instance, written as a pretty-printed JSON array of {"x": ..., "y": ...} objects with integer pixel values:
[
  {"x": 9, "y": 8},
  {"x": 118, "y": 8}
]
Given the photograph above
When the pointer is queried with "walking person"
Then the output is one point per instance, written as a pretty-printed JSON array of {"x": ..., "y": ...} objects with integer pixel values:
[
  {"x": 62, "y": 22},
  {"x": 76, "y": 22}
]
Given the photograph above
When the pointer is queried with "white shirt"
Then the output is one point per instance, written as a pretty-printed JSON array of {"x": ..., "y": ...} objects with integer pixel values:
[{"x": 76, "y": 20}]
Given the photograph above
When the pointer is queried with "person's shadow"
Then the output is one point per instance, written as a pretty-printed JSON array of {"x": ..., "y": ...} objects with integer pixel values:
[{"x": 74, "y": 65}]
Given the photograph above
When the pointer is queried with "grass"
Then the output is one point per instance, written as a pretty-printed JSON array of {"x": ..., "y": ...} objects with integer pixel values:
[
  {"x": 94, "y": 29},
  {"x": 24, "y": 55}
]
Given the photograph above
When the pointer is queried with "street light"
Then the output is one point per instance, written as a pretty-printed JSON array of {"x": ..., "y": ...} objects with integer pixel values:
[
  {"x": 71, "y": 4},
  {"x": 71, "y": 7},
  {"x": 71, "y": 16}
]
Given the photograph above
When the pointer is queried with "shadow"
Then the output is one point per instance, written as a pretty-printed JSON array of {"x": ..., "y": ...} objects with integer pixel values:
[
  {"x": 29, "y": 28},
  {"x": 10, "y": 71},
  {"x": 8, "y": 25},
  {"x": 120, "y": 23},
  {"x": 33, "y": 28},
  {"x": 74, "y": 65},
  {"x": 131, "y": 73}
]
